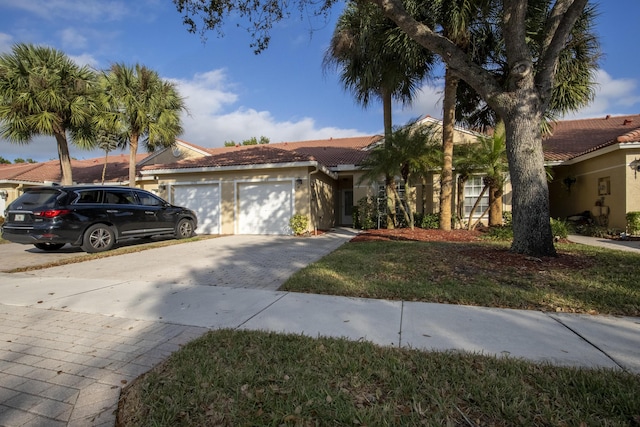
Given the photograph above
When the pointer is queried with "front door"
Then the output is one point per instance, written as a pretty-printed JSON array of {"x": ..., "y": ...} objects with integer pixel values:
[{"x": 346, "y": 209}]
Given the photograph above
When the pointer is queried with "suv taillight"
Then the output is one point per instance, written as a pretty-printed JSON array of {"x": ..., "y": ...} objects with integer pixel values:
[{"x": 52, "y": 213}]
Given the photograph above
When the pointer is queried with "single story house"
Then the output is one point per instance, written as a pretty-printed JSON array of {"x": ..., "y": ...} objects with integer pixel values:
[
  {"x": 256, "y": 189},
  {"x": 596, "y": 168}
]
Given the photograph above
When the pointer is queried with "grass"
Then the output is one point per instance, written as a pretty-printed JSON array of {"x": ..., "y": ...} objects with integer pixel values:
[
  {"x": 581, "y": 280},
  {"x": 246, "y": 378},
  {"x": 251, "y": 378}
]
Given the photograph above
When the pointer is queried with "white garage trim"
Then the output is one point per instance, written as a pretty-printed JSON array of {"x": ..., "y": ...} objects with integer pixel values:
[
  {"x": 271, "y": 209},
  {"x": 207, "y": 207}
]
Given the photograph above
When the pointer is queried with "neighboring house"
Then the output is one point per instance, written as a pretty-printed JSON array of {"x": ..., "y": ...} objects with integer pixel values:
[{"x": 596, "y": 168}]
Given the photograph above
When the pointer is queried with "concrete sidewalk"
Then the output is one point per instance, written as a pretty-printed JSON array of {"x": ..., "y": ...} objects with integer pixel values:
[
  {"x": 620, "y": 245},
  {"x": 71, "y": 339}
]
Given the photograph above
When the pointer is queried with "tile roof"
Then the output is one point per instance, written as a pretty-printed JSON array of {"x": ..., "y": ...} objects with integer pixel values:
[
  {"x": 335, "y": 151},
  {"x": 84, "y": 171},
  {"x": 328, "y": 152},
  {"x": 237, "y": 156},
  {"x": 573, "y": 138}
]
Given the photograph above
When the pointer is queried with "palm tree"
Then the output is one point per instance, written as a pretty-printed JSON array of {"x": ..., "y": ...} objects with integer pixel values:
[
  {"x": 43, "y": 92},
  {"x": 455, "y": 19},
  {"x": 409, "y": 152},
  {"x": 490, "y": 157},
  {"x": 145, "y": 107},
  {"x": 376, "y": 60},
  {"x": 108, "y": 142}
]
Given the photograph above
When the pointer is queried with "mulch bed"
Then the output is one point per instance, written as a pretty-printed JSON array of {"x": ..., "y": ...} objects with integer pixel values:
[
  {"x": 419, "y": 235},
  {"x": 499, "y": 257}
]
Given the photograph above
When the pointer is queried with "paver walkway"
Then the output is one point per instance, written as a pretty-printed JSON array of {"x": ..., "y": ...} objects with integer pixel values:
[{"x": 62, "y": 368}]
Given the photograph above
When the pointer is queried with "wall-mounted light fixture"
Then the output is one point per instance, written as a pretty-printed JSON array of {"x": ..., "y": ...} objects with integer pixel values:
[
  {"x": 568, "y": 182},
  {"x": 4, "y": 194},
  {"x": 635, "y": 167},
  {"x": 298, "y": 182}
]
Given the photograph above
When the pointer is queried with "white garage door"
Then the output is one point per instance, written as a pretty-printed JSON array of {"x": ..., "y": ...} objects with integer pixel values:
[
  {"x": 264, "y": 208},
  {"x": 204, "y": 199}
]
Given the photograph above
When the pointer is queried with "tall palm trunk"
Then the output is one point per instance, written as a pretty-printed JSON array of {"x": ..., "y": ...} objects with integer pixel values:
[
  {"x": 104, "y": 167},
  {"x": 448, "y": 121},
  {"x": 133, "y": 151},
  {"x": 389, "y": 182},
  {"x": 65, "y": 158},
  {"x": 495, "y": 204}
]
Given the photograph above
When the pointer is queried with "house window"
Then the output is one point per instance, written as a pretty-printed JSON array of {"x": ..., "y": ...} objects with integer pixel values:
[
  {"x": 472, "y": 189},
  {"x": 382, "y": 196}
]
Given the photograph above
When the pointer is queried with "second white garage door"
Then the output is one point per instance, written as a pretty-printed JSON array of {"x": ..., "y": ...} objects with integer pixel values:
[
  {"x": 204, "y": 199},
  {"x": 265, "y": 208}
]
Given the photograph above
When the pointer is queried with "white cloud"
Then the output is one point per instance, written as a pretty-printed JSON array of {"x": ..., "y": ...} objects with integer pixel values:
[
  {"x": 81, "y": 10},
  {"x": 213, "y": 119},
  {"x": 72, "y": 39},
  {"x": 613, "y": 96},
  {"x": 428, "y": 102},
  {"x": 85, "y": 59},
  {"x": 6, "y": 42}
]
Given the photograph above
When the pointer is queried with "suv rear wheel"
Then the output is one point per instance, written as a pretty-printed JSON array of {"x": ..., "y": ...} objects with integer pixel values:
[{"x": 98, "y": 238}]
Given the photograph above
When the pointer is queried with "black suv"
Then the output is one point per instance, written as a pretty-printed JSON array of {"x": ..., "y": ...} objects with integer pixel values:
[{"x": 93, "y": 217}]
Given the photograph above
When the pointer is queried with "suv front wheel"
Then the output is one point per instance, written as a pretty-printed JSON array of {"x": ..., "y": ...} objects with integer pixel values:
[
  {"x": 184, "y": 229},
  {"x": 98, "y": 238}
]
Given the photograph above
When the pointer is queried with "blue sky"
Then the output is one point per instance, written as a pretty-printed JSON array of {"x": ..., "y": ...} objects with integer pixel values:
[{"x": 283, "y": 93}]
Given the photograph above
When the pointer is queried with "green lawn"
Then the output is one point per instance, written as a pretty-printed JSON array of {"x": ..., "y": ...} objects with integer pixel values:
[
  {"x": 246, "y": 378},
  {"x": 582, "y": 279}
]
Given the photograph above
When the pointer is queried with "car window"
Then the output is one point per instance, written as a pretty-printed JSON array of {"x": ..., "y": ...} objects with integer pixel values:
[
  {"x": 44, "y": 197},
  {"x": 89, "y": 196},
  {"x": 115, "y": 197},
  {"x": 147, "y": 199}
]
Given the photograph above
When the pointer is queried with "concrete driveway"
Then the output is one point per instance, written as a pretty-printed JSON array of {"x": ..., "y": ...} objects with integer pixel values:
[{"x": 238, "y": 261}]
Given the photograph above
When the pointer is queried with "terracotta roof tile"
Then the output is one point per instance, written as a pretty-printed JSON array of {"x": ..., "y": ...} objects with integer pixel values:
[
  {"x": 238, "y": 156},
  {"x": 328, "y": 152},
  {"x": 84, "y": 171},
  {"x": 572, "y": 138},
  {"x": 334, "y": 152}
]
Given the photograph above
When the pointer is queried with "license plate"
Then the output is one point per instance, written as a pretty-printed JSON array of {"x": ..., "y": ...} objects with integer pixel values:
[{"x": 18, "y": 217}]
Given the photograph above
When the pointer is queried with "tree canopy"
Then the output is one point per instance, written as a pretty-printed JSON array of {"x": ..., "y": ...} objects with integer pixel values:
[
  {"x": 43, "y": 92},
  {"x": 139, "y": 107}
]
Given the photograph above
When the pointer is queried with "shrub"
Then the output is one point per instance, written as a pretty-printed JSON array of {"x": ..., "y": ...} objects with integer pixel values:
[
  {"x": 507, "y": 218},
  {"x": 364, "y": 214},
  {"x": 559, "y": 228},
  {"x": 592, "y": 230},
  {"x": 299, "y": 224},
  {"x": 502, "y": 232},
  {"x": 633, "y": 222},
  {"x": 429, "y": 221}
]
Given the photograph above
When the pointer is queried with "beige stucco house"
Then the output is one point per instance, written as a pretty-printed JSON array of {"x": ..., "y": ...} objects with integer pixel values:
[{"x": 596, "y": 168}]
